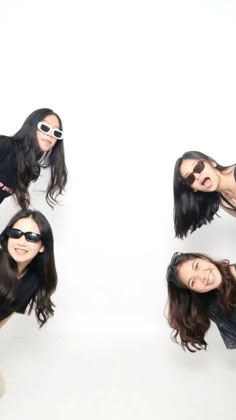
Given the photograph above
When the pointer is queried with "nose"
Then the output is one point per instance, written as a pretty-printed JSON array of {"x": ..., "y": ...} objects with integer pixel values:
[
  {"x": 22, "y": 241},
  {"x": 203, "y": 279},
  {"x": 49, "y": 134},
  {"x": 197, "y": 176}
]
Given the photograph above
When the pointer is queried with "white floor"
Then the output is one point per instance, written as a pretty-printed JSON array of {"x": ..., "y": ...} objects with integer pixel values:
[{"x": 83, "y": 377}]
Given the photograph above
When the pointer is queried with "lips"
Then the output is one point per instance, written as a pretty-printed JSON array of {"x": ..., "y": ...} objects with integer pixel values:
[
  {"x": 47, "y": 141},
  {"x": 210, "y": 279},
  {"x": 206, "y": 181},
  {"x": 20, "y": 251}
]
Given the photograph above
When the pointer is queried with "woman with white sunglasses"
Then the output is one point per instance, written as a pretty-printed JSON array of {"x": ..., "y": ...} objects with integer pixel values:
[
  {"x": 28, "y": 276},
  {"x": 201, "y": 186},
  {"x": 38, "y": 144}
]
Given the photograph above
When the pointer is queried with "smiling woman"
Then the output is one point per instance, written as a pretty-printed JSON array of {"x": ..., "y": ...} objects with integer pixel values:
[
  {"x": 38, "y": 144},
  {"x": 201, "y": 290},
  {"x": 27, "y": 268},
  {"x": 201, "y": 185}
]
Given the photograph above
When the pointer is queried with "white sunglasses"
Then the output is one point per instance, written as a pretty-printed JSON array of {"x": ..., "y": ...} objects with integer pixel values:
[{"x": 47, "y": 129}]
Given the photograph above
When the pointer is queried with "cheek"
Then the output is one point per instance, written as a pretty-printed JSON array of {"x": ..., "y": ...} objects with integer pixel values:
[
  {"x": 9, "y": 244},
  {"x": 38, "y": 136},
  {"x": 53, "y": 143}
]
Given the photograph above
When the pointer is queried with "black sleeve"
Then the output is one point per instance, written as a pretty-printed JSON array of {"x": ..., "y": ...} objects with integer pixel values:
[
  {"x": 229, "y": 337},
  {"x": 6, "y": 147}
]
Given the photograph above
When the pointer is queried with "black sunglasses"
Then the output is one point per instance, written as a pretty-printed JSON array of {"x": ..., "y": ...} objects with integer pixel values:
[
  {"x": 29, "y": 236},
  {"x": 197, "y": 169}
]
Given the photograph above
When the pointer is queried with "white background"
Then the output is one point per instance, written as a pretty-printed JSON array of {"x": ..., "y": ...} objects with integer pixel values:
[{"x": 136, "y": 85}]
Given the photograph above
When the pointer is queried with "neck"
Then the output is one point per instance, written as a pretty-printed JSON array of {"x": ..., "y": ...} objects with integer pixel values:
[
  {"x": 227, "y": 183},
  {"x": 21, "y": 269}
]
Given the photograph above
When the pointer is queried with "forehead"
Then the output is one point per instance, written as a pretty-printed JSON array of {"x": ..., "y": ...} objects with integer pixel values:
[
  {"x": 187, "y": 166},
  {"x": 185, "y": 268},
  {"x": 52, "y": 120},
  {"x": 27, "y": 224}
]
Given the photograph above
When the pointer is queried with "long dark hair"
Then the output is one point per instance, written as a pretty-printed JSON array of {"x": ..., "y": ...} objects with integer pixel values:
[
  {"x": 187, "y": 311},
  {"x": 192, "y": 209},
  {"x": 28, "y": 163},
  {"x": 43, "y": 265}
]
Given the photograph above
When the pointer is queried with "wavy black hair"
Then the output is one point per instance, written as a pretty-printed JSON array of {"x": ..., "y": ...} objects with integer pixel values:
[
  {"x": 188, "y": 311},
  {"x": 193, "y": 209},
  {"x": 28, "y": 162},
  {"x": 43, "y": 265}
]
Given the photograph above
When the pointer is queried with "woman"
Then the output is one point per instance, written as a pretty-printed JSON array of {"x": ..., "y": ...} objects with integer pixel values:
[
  {"x": 201, "y": 185},
  {"x": 38, "y": 144},
  {"x": 27, "y": 268},
  {"x": 201, "y": 289}
]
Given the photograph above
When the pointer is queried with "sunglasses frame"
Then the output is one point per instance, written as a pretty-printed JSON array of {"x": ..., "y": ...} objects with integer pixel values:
[
  {"x": 28, "y": 235},
  {"x": 51, "y": 130},
  {"x": 189, "y": 180}
]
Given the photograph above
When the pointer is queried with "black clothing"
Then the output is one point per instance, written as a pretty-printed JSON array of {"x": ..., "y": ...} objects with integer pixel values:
[
  {"x": 226, "y": 324},
  {"x": 27, "y": 286},
  {"x": 8, "y": 169}
]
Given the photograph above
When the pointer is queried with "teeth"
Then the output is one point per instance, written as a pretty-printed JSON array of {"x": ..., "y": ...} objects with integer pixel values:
[{"x": 20, "y": 251}]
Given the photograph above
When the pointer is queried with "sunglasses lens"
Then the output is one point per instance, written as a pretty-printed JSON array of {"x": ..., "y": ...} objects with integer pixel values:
[
  {"x": 14, "y": 233},
  {"x": 189, "y": 180},
  {"x": 32, "y": 237},
  {"x": 43, "y": 127},
  {"x": 198, "y": 168},
  {"x": 58, "y": 134}
]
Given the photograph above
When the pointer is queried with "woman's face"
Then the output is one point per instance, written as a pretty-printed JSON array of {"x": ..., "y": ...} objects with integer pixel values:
[
  {"x": 199, "y": 275},
  {"x": 200, "y": 175},
  {"x": 20, "y": 249},
  {"x": 46, "y": 141}
]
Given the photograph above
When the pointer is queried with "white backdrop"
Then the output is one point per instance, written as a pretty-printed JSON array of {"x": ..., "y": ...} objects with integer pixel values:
[{"x": 136, "y": 83}]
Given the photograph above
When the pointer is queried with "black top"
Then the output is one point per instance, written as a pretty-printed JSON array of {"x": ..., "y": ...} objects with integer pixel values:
[
  {"x": 226, "y": 322},
  {"x": 7, "y": 167},
  {"x": 27, "y": 286}
]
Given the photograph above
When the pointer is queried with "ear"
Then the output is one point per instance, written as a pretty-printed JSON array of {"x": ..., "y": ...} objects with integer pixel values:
[{"x": 42, "y": 249}]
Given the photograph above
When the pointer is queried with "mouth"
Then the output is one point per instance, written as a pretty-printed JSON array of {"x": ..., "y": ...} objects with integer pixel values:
[
  {"x": 20, "y": 251},
  {"x": 210, "y": 279},
  {"x": 206, "y": 182},
  {"x": 47, "y": 141}
]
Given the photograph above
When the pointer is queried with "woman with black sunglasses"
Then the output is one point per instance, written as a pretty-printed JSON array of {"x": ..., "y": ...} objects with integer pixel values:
[
  {"x": 201, "y": 290},
  {"x": 201, "y": 185},
  {"x": 38, "y": 144},
  {"x": 28, "y": 275}
]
